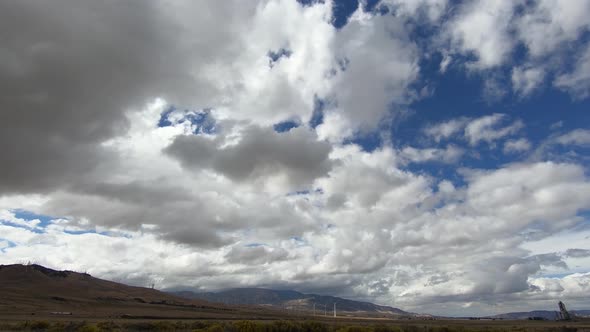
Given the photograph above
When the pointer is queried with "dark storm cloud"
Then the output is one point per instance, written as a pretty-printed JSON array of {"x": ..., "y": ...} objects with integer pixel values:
[
  {"x": 173, "y": 213},
  {"x": 196, "y": 235},
  {"x": 66, "y": 77},
  {"x": 577, "y": 253},
  {"x": 551, "y": 259},
  {"x": 135, "y": 192},
  {"x": 256, "y": 255},
  {"x": 261, "y": 152},
  {"x": 68, "y": 72},
  {"x": 169, "y": 215},
  {"x": 501, "y": 275}
]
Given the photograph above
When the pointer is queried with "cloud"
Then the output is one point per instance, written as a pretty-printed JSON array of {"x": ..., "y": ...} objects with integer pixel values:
[
  {"x": 260, "y": 153},
  {"x": 517, "y": 145},
  {"x": 10, "y": 218},
  {"x": 486, "y": 129},
  {"x": 445, "y": 62},
  {"x": 404, "y": 221},
  {"x": 483, "y": 28},
  {"x": 66, "y": 101},
  {"x": 446, "y": 129},
  {"x": 430, "y": 10},
  {"x": 546, "y": 24},
  {"x": 571, "y": 286},
  {"x": 335, "y": 128},
  {"x": 577, "y": 82},
  {"x": 577, "y": 253},
  {"x": 579, "y": 137},
  {"x": 487, "y": 34},
  {"x": 79, "y": 64},
  {"x": 255, "y": 255},
  {"x": 540, "y": 188},
  {"x": 526, "y": 80},
  {"x": 377, "y": 65},
  {"x": 494, "y": 89},
  {"x": 551, "y": 259},
  {"x": 450, "y": 154}
]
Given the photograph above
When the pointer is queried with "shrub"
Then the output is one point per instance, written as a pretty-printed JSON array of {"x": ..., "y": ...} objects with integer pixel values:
[
  {"x": 312, "y": 326},
  {"x": 108, "y": 327},
  {"x": 39, "y": 325},
  {"x": 88, "y": 328},
  {"x": 354, "y": 329},
  {"x": 215, "y": 328},
  {"x": 246, "y": 326},
  {"x": 163, "y": 326},
  {"x": 384, "y": 328},
  {"x": 285, "y": 326}
]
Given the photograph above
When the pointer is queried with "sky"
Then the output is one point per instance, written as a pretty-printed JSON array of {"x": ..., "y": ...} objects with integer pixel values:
[{"x": 431, "y": 155}]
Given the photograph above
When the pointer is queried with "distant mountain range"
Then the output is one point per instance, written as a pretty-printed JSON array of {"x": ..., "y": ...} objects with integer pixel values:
[
  {"x": 296, "y": 301},
  {"x": 545, "y": 314}
]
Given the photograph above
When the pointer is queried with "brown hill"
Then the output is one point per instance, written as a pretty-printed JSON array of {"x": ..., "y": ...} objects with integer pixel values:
[{"x": 34, "y": 290}]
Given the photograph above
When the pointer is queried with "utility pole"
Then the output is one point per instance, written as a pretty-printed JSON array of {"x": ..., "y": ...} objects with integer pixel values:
[
  {"x": 314, "y": 308},
  {"x": 334, "y": 309}
]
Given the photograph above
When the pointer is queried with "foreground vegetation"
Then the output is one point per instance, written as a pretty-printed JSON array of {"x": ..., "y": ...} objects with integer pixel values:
[{"x": 280, "y": 326}]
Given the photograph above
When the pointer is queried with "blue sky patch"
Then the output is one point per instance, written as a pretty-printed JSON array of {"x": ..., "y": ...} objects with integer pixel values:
[
  {"x": 7, "y": 245},
  {"x": 342, "y": 10},
  {"x": 85, "y": 231},
  {"x": 254, "y": 245},
  {"x": 45, "y": 221},
  {"x": 285, "y": 126},
  {"x": 28, "y": 215},
  {"x": 202, "y": 120},
  {"x": 317, "y": 117},
  {"x": 275, "y": 56}
]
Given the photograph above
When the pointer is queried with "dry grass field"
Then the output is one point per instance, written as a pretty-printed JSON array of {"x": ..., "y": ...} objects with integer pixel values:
[{"x": 289, "y": 324}]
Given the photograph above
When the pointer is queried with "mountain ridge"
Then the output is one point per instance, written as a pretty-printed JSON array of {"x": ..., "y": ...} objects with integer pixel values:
[{"x": 294, "y": 300}]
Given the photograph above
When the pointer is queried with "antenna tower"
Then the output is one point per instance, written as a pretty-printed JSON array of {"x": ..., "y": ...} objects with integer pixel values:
[{"x": 563, "y": 313}]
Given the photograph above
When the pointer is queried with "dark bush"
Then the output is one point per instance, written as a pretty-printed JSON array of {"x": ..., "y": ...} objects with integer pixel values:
[{"x": 39, "y": 325}]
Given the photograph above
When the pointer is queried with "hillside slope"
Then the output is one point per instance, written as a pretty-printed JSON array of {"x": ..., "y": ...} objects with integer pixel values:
[{"x": 36, "y": 290}]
